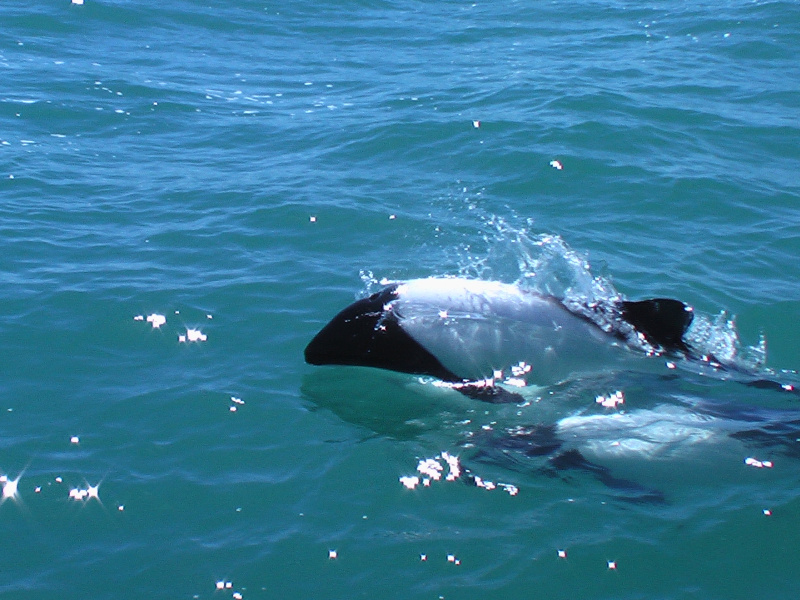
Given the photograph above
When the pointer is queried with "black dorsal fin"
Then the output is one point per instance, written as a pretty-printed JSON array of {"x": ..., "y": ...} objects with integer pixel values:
[{"x": 662, "y": 321}]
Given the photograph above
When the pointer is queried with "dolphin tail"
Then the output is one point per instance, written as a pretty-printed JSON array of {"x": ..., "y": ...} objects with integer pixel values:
[
  {"x": 770, "y": 384},
  {"x": 633, "y": 492}
]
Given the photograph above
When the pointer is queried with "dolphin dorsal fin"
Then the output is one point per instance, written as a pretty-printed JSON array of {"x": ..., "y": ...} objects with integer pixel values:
[{"x": 662, "y": 321}]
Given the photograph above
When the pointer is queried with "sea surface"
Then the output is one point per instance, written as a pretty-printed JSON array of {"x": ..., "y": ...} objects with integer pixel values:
[{"x": 190, "y": 190}]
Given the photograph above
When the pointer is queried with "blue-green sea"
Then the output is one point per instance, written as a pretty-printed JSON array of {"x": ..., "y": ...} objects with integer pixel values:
[{"x": 190, "y": 190}]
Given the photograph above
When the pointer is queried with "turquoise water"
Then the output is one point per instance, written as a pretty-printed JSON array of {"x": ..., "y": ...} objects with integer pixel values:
[{"x": 246, "y": 169}]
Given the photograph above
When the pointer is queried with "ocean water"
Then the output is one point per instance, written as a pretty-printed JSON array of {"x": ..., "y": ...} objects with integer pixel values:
[{"x": 245, "y": 169}]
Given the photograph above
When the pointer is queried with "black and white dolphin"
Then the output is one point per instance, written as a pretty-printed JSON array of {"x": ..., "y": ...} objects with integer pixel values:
[{"x": 465, "y": 330}]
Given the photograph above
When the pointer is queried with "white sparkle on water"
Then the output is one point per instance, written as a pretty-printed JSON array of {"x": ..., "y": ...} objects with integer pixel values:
[
  {"x": 195, "y": 335},
  {"x": 156, "y": 320},
  {"x": 10, "y": 487},
  {"x": 612, "y": 400}
]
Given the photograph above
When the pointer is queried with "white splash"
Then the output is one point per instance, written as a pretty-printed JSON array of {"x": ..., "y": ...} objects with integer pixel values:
[
  {"x": 410, "y": 481},
  {"x": 432, "y": 469},
  {"x": 612, "y": 400},
  {"x": 193, "y": 335},
  {"x": 453, "y": 465},
  {"x": 487, "y": 485}
]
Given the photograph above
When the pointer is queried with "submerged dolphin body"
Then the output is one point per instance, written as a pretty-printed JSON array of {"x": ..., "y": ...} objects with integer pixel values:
[{"x": 464, "y": 330}]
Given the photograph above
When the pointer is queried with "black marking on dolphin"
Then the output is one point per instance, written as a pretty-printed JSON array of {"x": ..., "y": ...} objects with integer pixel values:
[
  {"x": 662, "y": 321},
  {"x": 366, "y": 334}
]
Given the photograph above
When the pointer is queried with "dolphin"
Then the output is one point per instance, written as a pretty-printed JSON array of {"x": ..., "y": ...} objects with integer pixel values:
[{"x": 466, "y": 332}]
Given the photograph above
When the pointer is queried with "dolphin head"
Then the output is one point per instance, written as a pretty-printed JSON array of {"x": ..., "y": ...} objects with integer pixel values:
[{"x": 367, "y": 334}]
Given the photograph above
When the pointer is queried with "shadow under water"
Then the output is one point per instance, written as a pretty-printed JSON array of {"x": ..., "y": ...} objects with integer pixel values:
[{"x": 652, "y": 433}]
